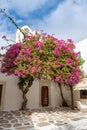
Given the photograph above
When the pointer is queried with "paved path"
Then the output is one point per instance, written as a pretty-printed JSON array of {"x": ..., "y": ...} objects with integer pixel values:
[{"x": 40, "y": 119}]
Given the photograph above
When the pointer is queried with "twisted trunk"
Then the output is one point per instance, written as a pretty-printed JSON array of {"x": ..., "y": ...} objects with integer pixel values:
[
  {"x": 24, "y": 92},
  {"x": 64, "y": 103},
  {"x": 72, "y": 99},
  {"x": 24, "y": 103}
]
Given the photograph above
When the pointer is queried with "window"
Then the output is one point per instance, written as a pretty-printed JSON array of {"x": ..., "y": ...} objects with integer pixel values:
[{"x": 83, "y": 94}]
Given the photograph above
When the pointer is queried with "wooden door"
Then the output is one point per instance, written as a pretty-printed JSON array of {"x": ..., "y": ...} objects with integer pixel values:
[
  {"x": 44, "y": 96},
  {"x": 0, "y": 92}
]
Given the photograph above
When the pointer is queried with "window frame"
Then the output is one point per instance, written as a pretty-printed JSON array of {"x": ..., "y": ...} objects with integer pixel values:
[{"x": 83, "y": 94}]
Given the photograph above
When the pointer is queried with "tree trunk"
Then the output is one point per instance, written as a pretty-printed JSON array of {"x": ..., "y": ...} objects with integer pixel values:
[
  {"x": 64, "y": 103},
  {"x": 24, "y": 103},
  {"x": 24, "y": 91},
  {"x": 72, "y": 99}
]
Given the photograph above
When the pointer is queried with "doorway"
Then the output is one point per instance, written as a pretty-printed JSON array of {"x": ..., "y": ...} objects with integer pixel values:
[
  {"x": 0, "y": 93},
  {"x": 44, "y": 96}
]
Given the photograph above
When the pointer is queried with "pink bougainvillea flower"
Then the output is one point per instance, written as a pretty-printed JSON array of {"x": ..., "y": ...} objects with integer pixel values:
[
  {"x": 38, "y": 43},
  {"x": 4, "y": 37},
  {"x": 34, "y": 70},
  {"x": 2, "y": 47},
  {"x": 43, "y": 54},
  {"x": 59, "y": 66},
  {"x": 56, "y": 51},
  {"x": 70, "y": 40},
  {"x": 69, "y": 60}
]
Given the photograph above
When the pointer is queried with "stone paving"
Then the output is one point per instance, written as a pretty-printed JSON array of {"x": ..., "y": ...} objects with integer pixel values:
[{"x": 39, "y": 119}]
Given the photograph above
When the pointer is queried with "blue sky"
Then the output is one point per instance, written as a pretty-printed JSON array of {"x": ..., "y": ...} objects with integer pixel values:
[{"x": 64, "y": 18}]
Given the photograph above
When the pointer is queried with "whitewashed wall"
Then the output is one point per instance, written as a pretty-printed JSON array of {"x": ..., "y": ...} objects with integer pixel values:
[
  {"x": 82, "y": 48},
  {"x": 13, "y": 96}
]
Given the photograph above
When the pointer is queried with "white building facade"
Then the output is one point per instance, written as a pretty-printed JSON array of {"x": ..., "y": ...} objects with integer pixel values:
[
  {"x": 11, "y": 96},
  {"x": 81, "y": 49},
  {"x": 80, "y": 93}
]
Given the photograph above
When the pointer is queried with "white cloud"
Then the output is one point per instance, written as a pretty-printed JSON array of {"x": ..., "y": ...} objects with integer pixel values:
[
  {"x": 5, "y": 32},
  {"x": 67, "y": 21},
  {"x": 4, "y": 4},
  {"x": 22, "y": 7}
]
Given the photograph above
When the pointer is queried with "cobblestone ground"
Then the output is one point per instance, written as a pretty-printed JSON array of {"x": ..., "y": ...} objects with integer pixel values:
[{"x": 39, "y": 119}]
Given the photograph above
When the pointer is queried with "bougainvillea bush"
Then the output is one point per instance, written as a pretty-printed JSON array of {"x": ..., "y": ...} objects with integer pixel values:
[
  {"x": 67, "y": 66},
  {"x": 42, "y": 56},
  {"x": 67, "y": 63}
]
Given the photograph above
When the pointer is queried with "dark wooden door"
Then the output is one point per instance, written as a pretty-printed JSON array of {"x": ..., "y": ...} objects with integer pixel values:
[
  {"x": 44, "y": 96},
  {"x": 0, "y": 92}
]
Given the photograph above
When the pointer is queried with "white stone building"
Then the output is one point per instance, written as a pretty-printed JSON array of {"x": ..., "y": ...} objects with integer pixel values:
[
  {"x": 81, "y": 88},
  {"x": 11, "y": 96},
  {"x": 81, "y": 49}
]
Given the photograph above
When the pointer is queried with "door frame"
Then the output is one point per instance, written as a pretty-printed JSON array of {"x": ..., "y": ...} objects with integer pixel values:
[
  {"x": 48, "y": 84},
  {"x": 46, "y": 89},
  {"x": 3, "y": 83}
]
